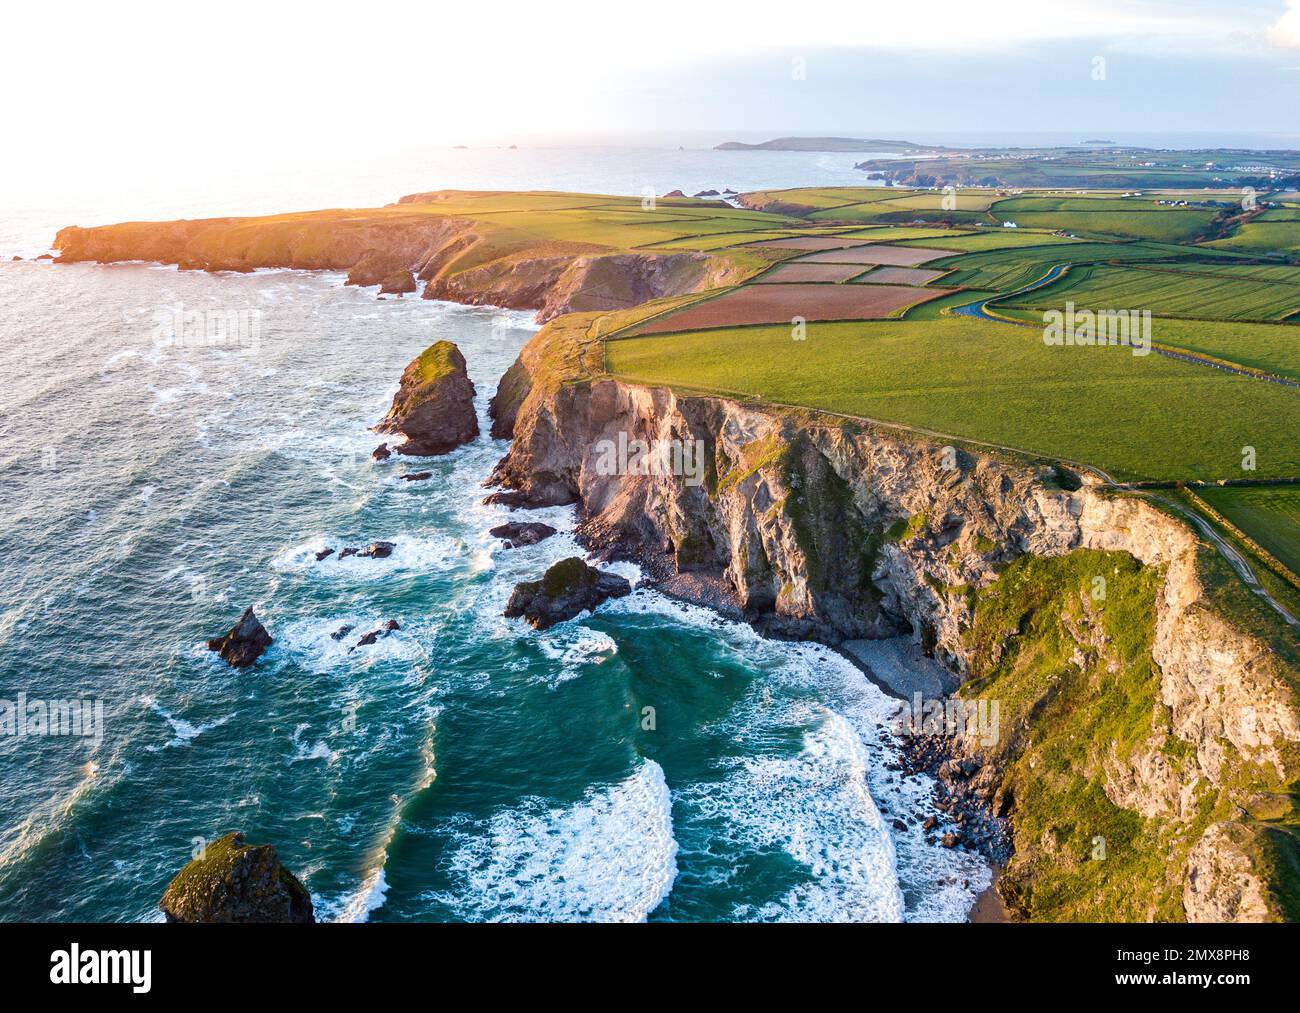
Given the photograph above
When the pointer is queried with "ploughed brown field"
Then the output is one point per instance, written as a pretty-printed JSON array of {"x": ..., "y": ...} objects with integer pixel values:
[
  {"x": 890, "y": 275},
  {"x": 901, "y": 256},
  {"x": 780, "y": 304},
  {"x": 811, "y": 243},
  {"x": 814, "y": 273}
]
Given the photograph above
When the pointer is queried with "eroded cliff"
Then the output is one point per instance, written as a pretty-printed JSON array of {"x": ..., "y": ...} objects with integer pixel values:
[
  {"x": 460, "y": 258},
  {"x": 1147, "y": 745}
]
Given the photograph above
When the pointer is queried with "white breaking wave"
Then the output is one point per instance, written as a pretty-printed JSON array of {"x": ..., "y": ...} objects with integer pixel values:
[
  {"x": 610, "y": 858},
  {"x": 369, "y": 898},
  {"x": 817, "y": 808},
  {"x": 936, "y": 883},
  {"x": 183, "y": 732}
]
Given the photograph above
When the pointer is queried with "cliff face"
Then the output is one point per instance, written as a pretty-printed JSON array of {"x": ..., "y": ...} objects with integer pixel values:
[
  {"x": 460, "y": 259},
  {"x": 1081, "y": 612}
]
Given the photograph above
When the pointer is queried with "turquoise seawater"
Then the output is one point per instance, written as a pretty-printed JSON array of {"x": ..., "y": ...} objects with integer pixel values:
[{"x": 651, "y": 761}]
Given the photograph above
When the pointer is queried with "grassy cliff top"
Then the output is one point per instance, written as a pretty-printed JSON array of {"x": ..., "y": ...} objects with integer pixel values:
[{"x": 440, "y": 359}]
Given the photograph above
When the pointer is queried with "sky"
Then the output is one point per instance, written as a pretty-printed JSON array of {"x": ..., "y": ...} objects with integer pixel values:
[{"x": 129, "y": 89}]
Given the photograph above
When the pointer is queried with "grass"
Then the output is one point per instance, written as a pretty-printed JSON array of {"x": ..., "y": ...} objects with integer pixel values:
[
  {"x": 1171, "y": 289},
  {"x": 934, "y": 308},
  {"x": 1272, "y": 348},
  {"x": 1268, "y": 514},
  {"x": 1136, "y": 417},
  {"x": 1263, "y": 237},
  {"x": 1075, "y": 684},
  {"x": 996, "y": 239},
  {"x": 1009, "y": 269}
]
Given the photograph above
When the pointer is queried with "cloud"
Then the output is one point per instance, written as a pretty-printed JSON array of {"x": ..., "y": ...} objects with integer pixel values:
[{"x": 1286, "y": 33}]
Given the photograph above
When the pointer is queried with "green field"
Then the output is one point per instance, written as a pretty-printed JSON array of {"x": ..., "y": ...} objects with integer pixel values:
[
  {"x": 1263, "y": 237},
  {"x": 1136, "y": 417},
  {"x": 1171, "y": 289},
  {"x": 996, "y": 239},
  {"x": 1009, "y": 269},
  {"x": 1176, "y": 227},
  {"x": 1268, "y": 514},
  {"x": 1273, "y": 348}
]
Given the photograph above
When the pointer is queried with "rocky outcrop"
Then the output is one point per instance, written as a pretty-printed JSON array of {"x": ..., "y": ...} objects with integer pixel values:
[
  {"x": 234, "y": 882},
  {"x": 516, "y": 533},
  {"x": 245, "y": 642},
  {"x": 1220, "y": 883},
  {"x": 838, "y": 531},
  {"x": 399, "y": 282},
  {"x": 567, "y": 589},
  {"x": 434, "y": 404},
  {"x": 377, "y": 267}
]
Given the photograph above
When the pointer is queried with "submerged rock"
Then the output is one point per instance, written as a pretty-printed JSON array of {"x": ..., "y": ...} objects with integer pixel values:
[
  {"x": 374, "y": 635},
  {"x": 324, "y": 554},
  {"x": 375, "y": 550},
  {"x": 417, "y": 476},
  {"x": 342, "y": 631},
  {"x": 513, "y": 500},
  {"x": 234, "y": 882},
  {"x": 566, "y": 589},
  {"x": 245, "y": 642},
  {"x": 381, "y": 453},
  {"x": 518, "y": 533},
  {"x": 434, "y": 405}
]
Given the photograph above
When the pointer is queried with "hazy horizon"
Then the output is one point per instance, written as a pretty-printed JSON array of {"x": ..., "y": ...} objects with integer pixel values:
[{"x": 179, "y": 91}]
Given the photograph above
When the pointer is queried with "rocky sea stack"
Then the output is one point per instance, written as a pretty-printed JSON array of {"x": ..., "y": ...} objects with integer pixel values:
[
  {"x": 434, "y": 405},
  {"x": 245, "y": 642},
  {"x": 566, "y": 589},
  {"x": 234, "y": 882}
]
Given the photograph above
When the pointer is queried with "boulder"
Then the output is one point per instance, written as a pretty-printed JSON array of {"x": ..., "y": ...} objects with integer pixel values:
[
  {"x": 518, "y": 533},
  {"x": 324, "y": 554},
  {"x": 245, "y": 642},
  {"x": 375, "y": 267},
  {"x": 566, "y": 589},
  {"x": 513, "y": 500},
  {"x": 234, "y": 882},
  {"x": 381, "y": 453},
  {"x": 434, "y": 404},
  {"x": 378, "y": 550},
  {"x": 398, "y": 282}
]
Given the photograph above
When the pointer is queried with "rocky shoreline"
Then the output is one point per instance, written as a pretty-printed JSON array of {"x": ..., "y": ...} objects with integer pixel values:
[
  {"x": 817, "y": 529},
  {"x": 844, "y": 533}
]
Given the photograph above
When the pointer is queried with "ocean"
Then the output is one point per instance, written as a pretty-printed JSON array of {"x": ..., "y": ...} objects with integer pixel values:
[{"x": 465, "y": 767}]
